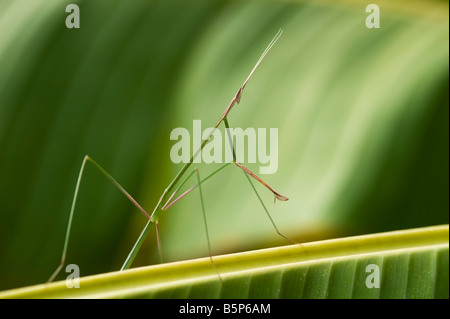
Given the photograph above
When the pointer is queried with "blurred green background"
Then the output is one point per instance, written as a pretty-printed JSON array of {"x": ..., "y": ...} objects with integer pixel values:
[{"x": 362, "y": 118}]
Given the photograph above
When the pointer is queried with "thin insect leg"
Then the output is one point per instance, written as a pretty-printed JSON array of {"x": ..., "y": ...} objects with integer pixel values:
[
  {"x": 158, "y": 239},
  {"x": 245, "y": 169},
  {"x": 267, "y": 212},
  {"x": 275, "y": 193},
  {"x": 74, "y": 200},
  {"x": 69, "y": 224},
  {"x": 168, "y": 205},
  {"x": 176, "y": 190},
  {"x": 115, "y": 183},
  {"x": 227, "y": 129},
  {"x": 136, "y": 247},
  {"x": 246, "y": 173},
  {"x": 206, "y": 225}
]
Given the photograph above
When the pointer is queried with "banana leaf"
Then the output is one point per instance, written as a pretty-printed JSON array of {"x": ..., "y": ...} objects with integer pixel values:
[{"x": 409, "y": 264}]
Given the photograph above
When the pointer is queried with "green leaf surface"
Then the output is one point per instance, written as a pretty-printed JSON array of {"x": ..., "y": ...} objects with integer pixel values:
[{"x": 411, "y": 264}]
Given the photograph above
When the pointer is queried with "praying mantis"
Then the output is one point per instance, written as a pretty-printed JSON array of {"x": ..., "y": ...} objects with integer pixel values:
[{"x": 165, "y": 201}]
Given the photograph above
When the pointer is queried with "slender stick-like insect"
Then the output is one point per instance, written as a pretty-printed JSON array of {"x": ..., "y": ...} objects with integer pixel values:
[{"x": 169, "y": 201}]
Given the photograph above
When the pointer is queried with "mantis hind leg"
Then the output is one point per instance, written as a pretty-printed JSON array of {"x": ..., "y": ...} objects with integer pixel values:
[
  {"x": 205, "y": 223},
  {"x": 86, "y": 159}
]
